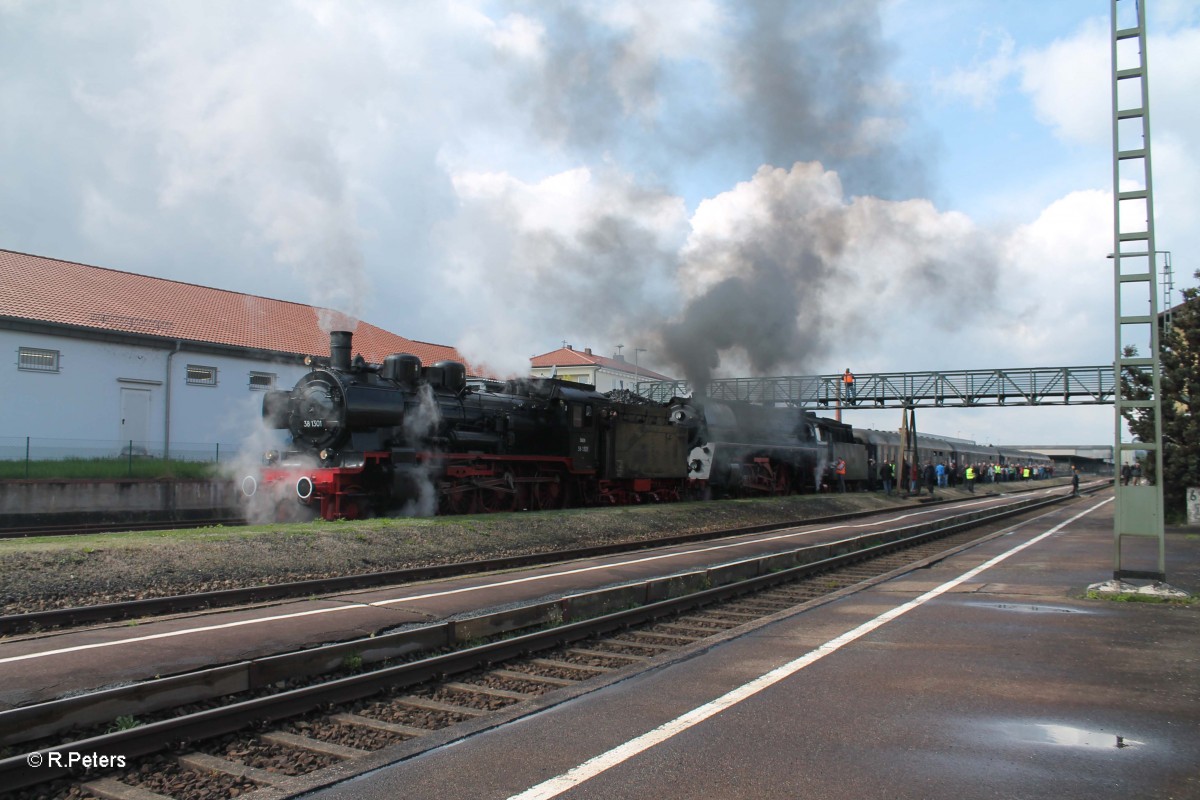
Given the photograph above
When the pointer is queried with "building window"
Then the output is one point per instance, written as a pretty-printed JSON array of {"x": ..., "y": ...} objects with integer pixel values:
[
  {"x": 201, "y": 376},
  {"x": 35, "y": 359},
  {"x": 262, "y": 381}
]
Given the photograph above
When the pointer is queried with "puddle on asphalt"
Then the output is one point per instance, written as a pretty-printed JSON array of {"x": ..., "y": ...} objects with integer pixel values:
[
  {"x": 1068, "y": 736},
  {"x": 1036, "y": 609}
]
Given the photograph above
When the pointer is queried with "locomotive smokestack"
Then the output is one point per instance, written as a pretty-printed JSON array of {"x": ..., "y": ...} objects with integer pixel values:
[{"x": 340, "y": 344}]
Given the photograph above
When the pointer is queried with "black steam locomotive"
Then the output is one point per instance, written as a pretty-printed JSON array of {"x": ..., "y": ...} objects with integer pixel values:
[{"x": 400, "y": 437}]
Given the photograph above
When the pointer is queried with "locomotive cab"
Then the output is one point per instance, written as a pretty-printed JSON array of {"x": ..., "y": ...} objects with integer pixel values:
[{"x": 582, "y": 433}]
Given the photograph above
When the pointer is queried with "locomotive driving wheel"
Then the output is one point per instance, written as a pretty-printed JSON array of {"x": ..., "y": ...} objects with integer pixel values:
[
  {"x": 459, "y": 498},
  {"x": 783, "y": 479},
  {"x": 501, "y": 494},
  {"x": 546, "y": 489}
]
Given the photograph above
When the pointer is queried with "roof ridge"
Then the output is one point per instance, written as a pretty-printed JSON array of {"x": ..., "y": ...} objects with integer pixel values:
[
  {"x": 126, "y": 302},
  {"x": 172, "y": 280}
]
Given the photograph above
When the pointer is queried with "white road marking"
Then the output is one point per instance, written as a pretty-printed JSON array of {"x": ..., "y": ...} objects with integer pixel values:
[
  {"x": 605, "y": 761},
  {"x": 449, "y": 592}
]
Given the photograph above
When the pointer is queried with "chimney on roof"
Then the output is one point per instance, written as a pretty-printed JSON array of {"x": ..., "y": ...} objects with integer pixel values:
[
  {"x": 587, "y": 350},
  {"x": 571, "y": 348},
  {"x": 619, "y": 357}
]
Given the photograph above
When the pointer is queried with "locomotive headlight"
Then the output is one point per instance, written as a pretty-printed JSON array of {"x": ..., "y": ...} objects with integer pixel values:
[
  {"x": 324, "y": 455},
  {"x": 271, "y": 456},
  {"x": 308, "y": 361}
]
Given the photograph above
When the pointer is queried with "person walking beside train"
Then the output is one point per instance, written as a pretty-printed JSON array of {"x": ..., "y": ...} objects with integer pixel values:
[
  {"x": 840, "y": 470},
  {"x": 970, "y": 477},
  {"x": 941, "y": 474},
  {"x": 887, "y": 471},
  {"x": 931, "y": 477}
]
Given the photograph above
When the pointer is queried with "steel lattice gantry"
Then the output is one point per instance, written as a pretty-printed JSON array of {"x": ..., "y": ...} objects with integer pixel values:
[{"x": 949, "y": 389}]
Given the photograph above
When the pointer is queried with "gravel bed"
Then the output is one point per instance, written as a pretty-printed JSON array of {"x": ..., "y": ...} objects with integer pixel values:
[
  {"x": 403, "y": 714},
  {"x": 61, "y": 572},
  {"x": 648, "y": 650},
  {"x": 616, "y": 662},
  {"x": 345, "y": 735},
  {"x": 458, "y": 697},
  {"x": 162, "y": 774},
  {"x": 652, "y": 639},
  {"x": 268, "y": 756},
  {"x": 531, "y": 688},
  {"x": 564, "y": 673},
  {"x": 62, "y": 789}
]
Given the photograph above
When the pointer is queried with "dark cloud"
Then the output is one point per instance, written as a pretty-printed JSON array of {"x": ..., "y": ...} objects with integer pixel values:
[
  {"x": 784, "y": 273},
  {"x": 783, "y": 82}
]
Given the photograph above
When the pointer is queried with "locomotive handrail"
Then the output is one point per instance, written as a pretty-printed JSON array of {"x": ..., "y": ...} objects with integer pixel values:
[{"x": 1024, "y": 386}]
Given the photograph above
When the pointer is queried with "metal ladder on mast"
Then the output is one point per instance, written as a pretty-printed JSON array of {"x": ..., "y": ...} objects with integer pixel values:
[{"x": 1139, "y": 508}]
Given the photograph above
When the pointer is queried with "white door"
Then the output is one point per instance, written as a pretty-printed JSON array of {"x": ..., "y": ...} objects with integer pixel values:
[{"x": 135, "y": 417}]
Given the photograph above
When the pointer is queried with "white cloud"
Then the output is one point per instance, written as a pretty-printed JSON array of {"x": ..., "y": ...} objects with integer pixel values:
[
  {"x": 983, "y": 80},
  {"x": 1059, "y": 282},
  {"x": 1068, "y": 83},
  {"x": 519, "y": 36}
]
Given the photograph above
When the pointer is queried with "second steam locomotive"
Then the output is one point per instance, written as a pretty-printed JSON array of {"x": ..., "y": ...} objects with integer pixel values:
[{"x": 403, "y": 437}]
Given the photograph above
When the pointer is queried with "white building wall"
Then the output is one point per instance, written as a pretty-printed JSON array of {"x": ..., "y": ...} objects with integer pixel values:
[
  {"x": 603, "y": 378},
  {"x": 82, "y": 401}
]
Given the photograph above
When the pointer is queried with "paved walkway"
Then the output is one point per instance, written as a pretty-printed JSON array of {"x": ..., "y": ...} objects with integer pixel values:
[{"x": 986, "y": 675}]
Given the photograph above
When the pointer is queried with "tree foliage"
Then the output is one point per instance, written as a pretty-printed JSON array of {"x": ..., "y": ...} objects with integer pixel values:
[{"x": 1180, "y": 346}]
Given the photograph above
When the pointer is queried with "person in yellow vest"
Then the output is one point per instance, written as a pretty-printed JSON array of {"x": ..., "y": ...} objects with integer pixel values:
[
  {"x": 970, "y": 478},
  {"x": 1025, "y": 472}
]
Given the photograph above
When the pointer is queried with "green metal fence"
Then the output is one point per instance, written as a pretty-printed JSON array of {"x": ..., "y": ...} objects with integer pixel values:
[{"x": 37, "y": 457}]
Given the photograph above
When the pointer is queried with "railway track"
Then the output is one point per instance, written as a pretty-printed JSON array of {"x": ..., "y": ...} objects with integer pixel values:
[
  {"x": 87, "y": 528},
  {"x": 294, "y": 736},
  {"x": 264, "y": 593}
]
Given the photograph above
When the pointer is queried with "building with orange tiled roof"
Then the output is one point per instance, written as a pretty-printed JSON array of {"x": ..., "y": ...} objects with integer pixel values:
[
  {"x": 100, "y": 355},
  {"x": 584, "y": 366}
]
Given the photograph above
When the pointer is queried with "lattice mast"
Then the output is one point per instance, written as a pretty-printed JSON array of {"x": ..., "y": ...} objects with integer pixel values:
[{"x": 1139, "y": 506}]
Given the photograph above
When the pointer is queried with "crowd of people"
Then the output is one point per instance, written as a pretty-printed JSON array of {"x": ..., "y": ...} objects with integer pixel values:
[{"x": 931, "y": 476}]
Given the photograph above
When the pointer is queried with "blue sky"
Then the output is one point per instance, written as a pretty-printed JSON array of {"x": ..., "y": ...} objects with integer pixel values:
[{"x": 737, "y": 187}]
